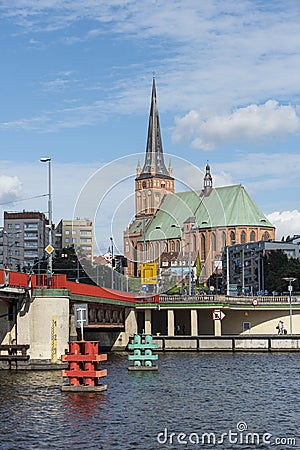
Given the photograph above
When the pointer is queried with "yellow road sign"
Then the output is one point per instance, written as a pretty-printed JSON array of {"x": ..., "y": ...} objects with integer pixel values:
[
  {"x": 148, "y": 273},
  {"x": 49, "y": 249}
]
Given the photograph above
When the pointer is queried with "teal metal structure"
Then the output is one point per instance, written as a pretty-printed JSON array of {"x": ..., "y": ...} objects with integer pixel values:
[{"x": 142, "y": 347}]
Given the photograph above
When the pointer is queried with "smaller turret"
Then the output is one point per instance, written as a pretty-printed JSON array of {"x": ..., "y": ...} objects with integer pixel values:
[{"x": 207, "y": 185}]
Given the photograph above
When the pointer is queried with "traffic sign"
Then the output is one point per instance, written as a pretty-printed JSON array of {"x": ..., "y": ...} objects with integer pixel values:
[
  {"x": 49, "y": 249},
  {"x": 255, "y": 302},
  {"x": 218, "y": 314},
  {"x": 148, "y": 273},
  {"x": 81, "y": 314},
  {"x": 212, "y": 288}
]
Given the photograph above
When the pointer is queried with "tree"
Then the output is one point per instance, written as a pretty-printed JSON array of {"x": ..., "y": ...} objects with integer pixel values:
[
  {"x": 198, "y": 270},
  {"x": 277, "y": 266},
  {"x": 66, "y": 262}
]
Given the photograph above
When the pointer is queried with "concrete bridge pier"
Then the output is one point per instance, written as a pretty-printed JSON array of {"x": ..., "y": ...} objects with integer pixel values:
[
  {"x": 171, "y": 322},
  {"x": 218, "y": 327},
  {"x": 194, "y": 322}
]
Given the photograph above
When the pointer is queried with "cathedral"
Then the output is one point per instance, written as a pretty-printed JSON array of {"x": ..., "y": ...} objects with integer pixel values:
[{"x": 174, "y": 229}]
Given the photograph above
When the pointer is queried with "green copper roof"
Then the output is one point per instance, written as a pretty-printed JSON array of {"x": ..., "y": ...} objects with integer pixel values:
[
  {"x": 137, "y": 226},
  {"x": 225, "y": 206}
]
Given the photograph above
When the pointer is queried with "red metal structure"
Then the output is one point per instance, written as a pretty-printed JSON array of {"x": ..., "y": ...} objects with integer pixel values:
[
  {"x": 83, "y": 359},
  {"x": 32, "y": 281}
]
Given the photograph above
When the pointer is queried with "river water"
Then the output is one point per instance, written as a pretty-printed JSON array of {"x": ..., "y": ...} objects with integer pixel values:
[{"x": 195, "y": 401}]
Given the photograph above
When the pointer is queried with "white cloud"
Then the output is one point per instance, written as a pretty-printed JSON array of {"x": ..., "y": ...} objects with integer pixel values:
[
  {"x": 25, "y": 186},
  {"x": 287, "y": 223},
  {"x": 251, "y": 123},
  {"x": 262, "y": 167},
  {"x": 10, "y": 189},
  {"x": 208, "y": 53}
]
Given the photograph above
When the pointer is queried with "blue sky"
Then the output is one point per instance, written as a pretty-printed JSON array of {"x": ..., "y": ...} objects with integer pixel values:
[{"x": 76, "y": 81}]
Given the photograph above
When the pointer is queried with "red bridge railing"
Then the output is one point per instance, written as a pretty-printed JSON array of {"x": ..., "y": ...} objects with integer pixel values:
[{"x": 23, "y": 280}]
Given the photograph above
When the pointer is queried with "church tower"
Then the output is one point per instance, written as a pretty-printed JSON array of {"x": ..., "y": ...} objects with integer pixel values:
[
  {"x": 153, "y": 180},
  {"x": 208, "y": 183}
]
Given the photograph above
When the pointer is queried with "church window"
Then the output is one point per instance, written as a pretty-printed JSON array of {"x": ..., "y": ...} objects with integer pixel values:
[
  {"x": 223, "y": 239},
  {"x": 252, "y": 236},
  {"x": 243, "y": 237},
  {"x": 203, "y": 247},
  {"x": 265, "y": 236},
  {"x": 194, "y": 242},
  {"x": 166, "y": 246},
  {"x": 213, "y": 242},
  {"x": 232, "y": 237}
]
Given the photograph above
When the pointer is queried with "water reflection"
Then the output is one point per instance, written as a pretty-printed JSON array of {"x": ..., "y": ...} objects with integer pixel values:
[{"x": 190, "y": 393}]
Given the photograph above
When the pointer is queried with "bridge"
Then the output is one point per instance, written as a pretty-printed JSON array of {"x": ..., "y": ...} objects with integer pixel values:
[{"x": 39, "y": 312}]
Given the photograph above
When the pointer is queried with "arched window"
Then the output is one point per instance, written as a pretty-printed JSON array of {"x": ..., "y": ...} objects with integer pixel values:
[
  {"x": 223, "y": 239},
  {"x": 203, "y": 247},
  {"x": 265, "y": 236},
  {"x": 213, "y": 242},
  {"x": 232, "y": 237},
  {"x": 243, "y": 237},
  {"x": 194, "y": 242},
  {"x": 178, "y": 246},
  {"x": 166, "y": 247},
  {"x": 141, "y": 252},
  {"x": 172, "y": 246},
  {"x": 151, "y": 251},
  {"x": 139, "y": 202},
  {"x": 156, "y": 250},
  {"x": 252, "y": 236}
]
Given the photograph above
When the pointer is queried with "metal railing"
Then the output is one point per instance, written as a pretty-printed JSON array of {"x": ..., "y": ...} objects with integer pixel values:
[{"x": 220, "y": 299}]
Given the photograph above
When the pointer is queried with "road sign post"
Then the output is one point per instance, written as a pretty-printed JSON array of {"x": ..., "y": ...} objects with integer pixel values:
[
  {"x": 81, "y": 317},
  {"x": 217, "y": 314}
]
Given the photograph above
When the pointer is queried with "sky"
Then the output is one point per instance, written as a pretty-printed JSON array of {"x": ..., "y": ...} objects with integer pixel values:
[{"x": 76, "y": 81}]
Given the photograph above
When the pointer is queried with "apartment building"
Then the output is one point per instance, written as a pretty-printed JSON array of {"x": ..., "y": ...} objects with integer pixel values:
[
  {"x": 23, "y": 239},
  {"x": 78, "y": 233}
]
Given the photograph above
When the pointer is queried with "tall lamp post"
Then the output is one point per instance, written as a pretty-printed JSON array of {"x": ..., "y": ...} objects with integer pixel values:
[
  {"x": 112, "y": 261},
  {"x": 142, "y": 213},
  {"x": 50, "y": 259},
  {"x": 227, "y": 272},
  {"x": 290, "y": 288},
  {"x": 189, "y": 256}
]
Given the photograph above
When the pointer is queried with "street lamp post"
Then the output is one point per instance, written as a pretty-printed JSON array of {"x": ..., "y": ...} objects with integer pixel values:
[
  {"x": 142, "y": 213},
  {"x": 227, "y": 272},
  {"x": 243, "y": 270},
  {"x": 290, "y": 287},
  {"x": 190, "y": 264},
  {"x": 112, "y": 262},
  {"x": 189, "y": 256},
  {"x": 50, "y": 259}
]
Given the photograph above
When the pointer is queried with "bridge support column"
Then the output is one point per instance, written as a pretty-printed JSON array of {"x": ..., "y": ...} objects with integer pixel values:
[
  {"x": 171, "y": 322},
  {"x": 218, "y": 327},
  {"x": 148, "y": 322},
  {"x": 131, "y": 326},
  {"x": 194, "y": 322},
  {"x": 73, "y": 331}
]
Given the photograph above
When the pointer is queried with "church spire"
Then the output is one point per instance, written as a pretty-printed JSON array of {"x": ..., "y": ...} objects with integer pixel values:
[
  {"x": 154, "y": 180},
  {"x": 154, "y": 161},
  {"x": 208, "y": 182}
]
